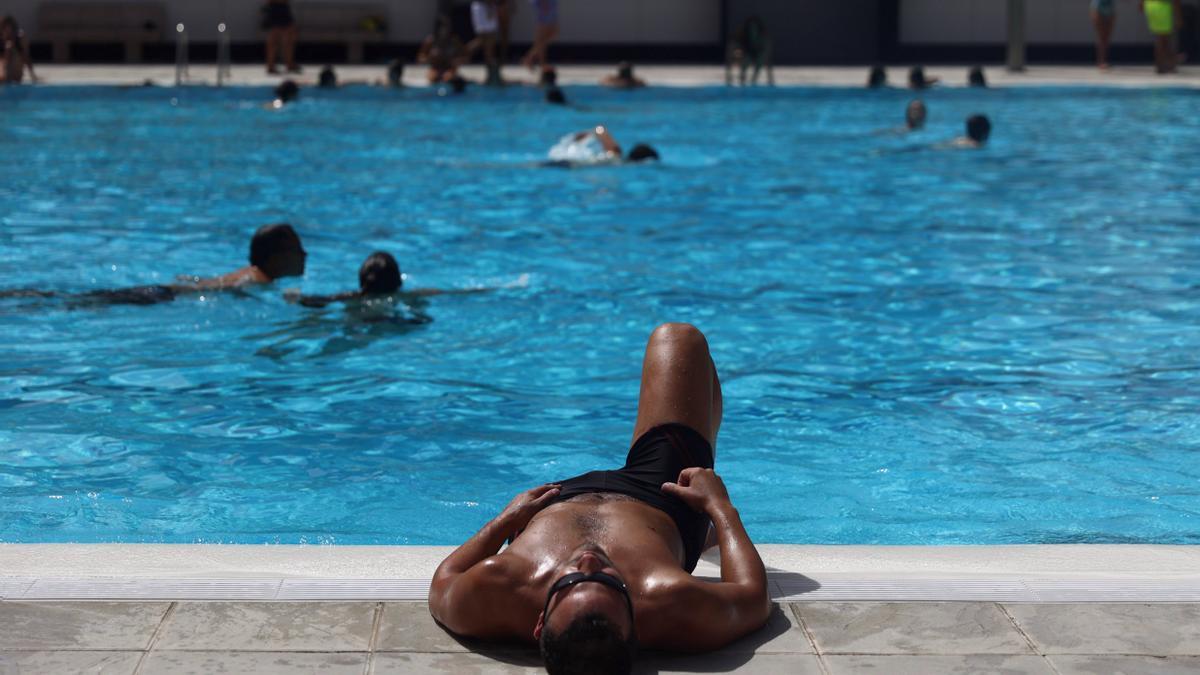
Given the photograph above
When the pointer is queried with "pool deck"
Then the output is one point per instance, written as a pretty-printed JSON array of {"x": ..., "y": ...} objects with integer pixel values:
[
  {"x": 839, "y": 609},
  {"x": 681, "y": 76}
]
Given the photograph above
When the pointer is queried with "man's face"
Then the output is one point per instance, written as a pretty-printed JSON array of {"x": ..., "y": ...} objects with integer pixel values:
[
  {"x": 587, "y": 597},
  {"x": 916, "y": 115}
]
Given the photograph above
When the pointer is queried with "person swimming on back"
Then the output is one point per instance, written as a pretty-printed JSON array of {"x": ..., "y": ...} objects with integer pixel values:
[
  {"x": 594, "y": 147},
  {"x": 378, "y": 277}
]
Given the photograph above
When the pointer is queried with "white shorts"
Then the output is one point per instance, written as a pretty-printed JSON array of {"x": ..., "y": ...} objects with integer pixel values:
[{"x": 483, "y": 17}]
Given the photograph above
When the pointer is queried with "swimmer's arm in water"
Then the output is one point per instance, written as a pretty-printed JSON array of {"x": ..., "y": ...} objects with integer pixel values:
[
  {"x": 520, "y": 282},
  {"x": 293, "y": 295}
]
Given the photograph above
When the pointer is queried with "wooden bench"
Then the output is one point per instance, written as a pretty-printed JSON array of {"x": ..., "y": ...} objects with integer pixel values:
[
  {"x": 345, "y": 23},
  {"x": 130, "y": 23}
]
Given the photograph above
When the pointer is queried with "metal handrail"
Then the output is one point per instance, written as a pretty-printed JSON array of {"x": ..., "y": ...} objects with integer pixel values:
[
  {"x": 224, "y": 69},
  {"x": 181, "y": 54}
]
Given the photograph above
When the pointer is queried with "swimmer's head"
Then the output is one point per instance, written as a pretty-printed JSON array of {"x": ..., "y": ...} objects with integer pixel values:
[
  {"x": 287, "y": 91},
  {"x": 914, "y": 115},
  {"x": 556, "y": 96},
  {"x": 549, "y": 77},
  {"x": 625, "y": 70},
  {"x": 976, "y": 77},
  {"x": 276, "y": 250},
  {"x": 458, "y": 84},
  {"x": 395, "y": 73},
  {"x": 979, "y": 127},
  {"x": 641, "y": 153},
  {"x": 327, "y": 79},
  {"x": 877, "y": 78},
  {"x": 379, "y": 274},
  {"x": 916, "y": 78}
]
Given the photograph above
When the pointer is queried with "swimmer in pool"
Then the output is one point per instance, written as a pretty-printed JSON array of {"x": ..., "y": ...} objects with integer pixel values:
[
  {"x": 917, "y": 79},
  {"x": 979, "y": 128},
  {"x": 378, "y": 278},
  {"x": 623, "y": 79},
  {"x": 275, "y": 252},
  {"x": 595, "y": 147},
  {"x": 914, "y": 115},
  {"x": 286, "y": 92}
]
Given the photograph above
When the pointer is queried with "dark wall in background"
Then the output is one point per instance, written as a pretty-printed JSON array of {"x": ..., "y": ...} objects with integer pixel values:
[{"x": 817, "y": 31}]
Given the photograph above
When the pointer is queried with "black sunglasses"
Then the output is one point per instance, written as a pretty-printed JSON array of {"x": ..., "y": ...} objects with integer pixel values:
[{"x": 579, "y": 578}]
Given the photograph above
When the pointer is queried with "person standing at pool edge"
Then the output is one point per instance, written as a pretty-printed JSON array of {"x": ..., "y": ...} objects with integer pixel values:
[
  {"x": 545, "y": 30},
  {"x": 1104, "y": 18},
  {"x": 15, "y": 57},
  {"x": 601, "y": 563},
  {"x": 280, "y": 25},
  {"x": 1162, "y": 17}
]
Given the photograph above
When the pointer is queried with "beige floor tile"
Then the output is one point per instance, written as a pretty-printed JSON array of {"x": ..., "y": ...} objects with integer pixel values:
[
  {"x": 1126, "y": 665},
  {"x": 397, "y": 663},
  {"x": 961, "y": 664},
  {"x": 782, "y": 635},
  {"x": 93, "y": 663},
  {"x": 408, "y": 627},
  {"x": 1111, "y": 628},
  {"x": 269, "y": 626},
  {"x": 911, "y": 628},
  {"x": 254, "y": 663},
  {"x": 79, "y": 625},
  {"x": 724, "y": 662}
]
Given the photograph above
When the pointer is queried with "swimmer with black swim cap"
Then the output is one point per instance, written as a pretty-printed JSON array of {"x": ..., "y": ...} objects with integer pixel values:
[
  {"x": 917, "y": 79},
  {"x": 395, "y": 74},
  {"x": 877, "y": 79},
  {"x": 379, "y": 277},
  {"x": 327, "y": 79},
  {"x": 979, "y": 129},
  {"x": 556, "y": 96},
  {"x": 285, "y": 93}
]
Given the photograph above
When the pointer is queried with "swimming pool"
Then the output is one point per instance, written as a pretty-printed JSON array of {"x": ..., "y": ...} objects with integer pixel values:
[{"x": 916, "y": 346}]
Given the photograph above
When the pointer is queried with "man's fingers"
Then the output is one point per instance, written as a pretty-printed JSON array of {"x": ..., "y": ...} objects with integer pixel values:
[
  {"x": 543, "y": 489},
  {"x": 685, "y": 476},
  {"x": 671, "y": 489},
  {"x": 546, "y": 497}
]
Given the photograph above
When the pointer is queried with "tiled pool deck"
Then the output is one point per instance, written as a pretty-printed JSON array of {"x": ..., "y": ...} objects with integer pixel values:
[{"x": 280, "y": 609}]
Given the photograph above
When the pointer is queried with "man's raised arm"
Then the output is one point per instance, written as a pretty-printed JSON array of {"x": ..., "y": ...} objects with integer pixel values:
[
  {"x": 461, "y": 597},
  {"x": 717, "y": 614}
]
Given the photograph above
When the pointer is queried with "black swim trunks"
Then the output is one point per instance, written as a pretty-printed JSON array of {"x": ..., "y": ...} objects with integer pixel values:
[
  {"x": 656, "y": 457},
  {"x": 277, "y": 15}
]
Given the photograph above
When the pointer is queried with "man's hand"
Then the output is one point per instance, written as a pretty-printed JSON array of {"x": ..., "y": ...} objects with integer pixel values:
[
  {"x": 701, "y": 489},
  {"x": 526, "y": 505}
]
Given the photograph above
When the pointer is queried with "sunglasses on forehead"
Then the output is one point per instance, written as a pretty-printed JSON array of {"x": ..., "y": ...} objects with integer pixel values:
[{"x": 596, "y": 577}]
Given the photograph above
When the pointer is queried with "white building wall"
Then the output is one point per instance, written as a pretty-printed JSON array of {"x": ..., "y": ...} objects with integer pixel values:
[
  {"x": 581, "y": 21},
  {"x": 944, "y": 22}
]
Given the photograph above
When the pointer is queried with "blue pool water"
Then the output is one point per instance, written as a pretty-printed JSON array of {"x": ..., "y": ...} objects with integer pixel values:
[{"x": 916, "y": 346}]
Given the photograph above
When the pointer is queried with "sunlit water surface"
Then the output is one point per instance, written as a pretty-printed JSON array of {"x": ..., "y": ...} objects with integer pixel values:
[{"x": 916, "y": 346}]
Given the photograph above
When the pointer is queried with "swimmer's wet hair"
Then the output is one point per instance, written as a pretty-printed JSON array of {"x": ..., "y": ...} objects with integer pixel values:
[
  {"x": 379, "y": 274},
  {"x": 590, "y": 645},
  {"x": 327, "y": 79},
  {"x": 556, "y": 96},
  {"x": 979, "y": 127},
  {"x": 395, "y": 73},
  {"x": 270, "y": 240},
  {"x": 642, "y": 152},
  {"x": 916, "y": 78},
  {"x": 625, "y": 70},
  {"x": 976, "y": 77},
  {"x": 877, "y": 78},
  {"x": 549, "y": 77},
  {"x": 287, "y": 91}
]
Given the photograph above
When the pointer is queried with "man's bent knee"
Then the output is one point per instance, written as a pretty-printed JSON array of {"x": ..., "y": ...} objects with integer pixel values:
[{"x": 678, "y": 336}]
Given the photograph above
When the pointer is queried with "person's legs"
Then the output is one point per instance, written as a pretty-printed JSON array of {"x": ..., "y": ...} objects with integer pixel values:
[
  {"x": 289, "y": 47},
  {"x": 1104, "y": 29},
  {"x": 679, "y": 383},
  {"x": 273, "y": 39}
]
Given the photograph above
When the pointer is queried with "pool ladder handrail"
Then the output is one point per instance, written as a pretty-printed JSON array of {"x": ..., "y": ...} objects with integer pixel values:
[
  {"x": 224, "y": 69},
  {"x": 181, "y": 54}
]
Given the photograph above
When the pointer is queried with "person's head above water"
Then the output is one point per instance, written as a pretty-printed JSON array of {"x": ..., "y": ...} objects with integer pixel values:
[
  {"x": 587, "y": 623},
  {"x": 641, "y": 153},
  {"x": 395, "y": 73},
  {"x": 914, "y": 115},
  {"x": 979, "y": 128},
  {"x": 276, "y": 250},
  {"x": 327, "y": 79},
  {"x": 549, "y": 77},
  {"x": 916, "y": 78},
  {"x": 625, "y": 70},
  {"x": 556, "y": 96},
  {"x": 379, "y": 274},
  {"x": 976, "y": 77},
  {"x": 287, "y": 91},
  {"x": 877, "y": 78}
]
